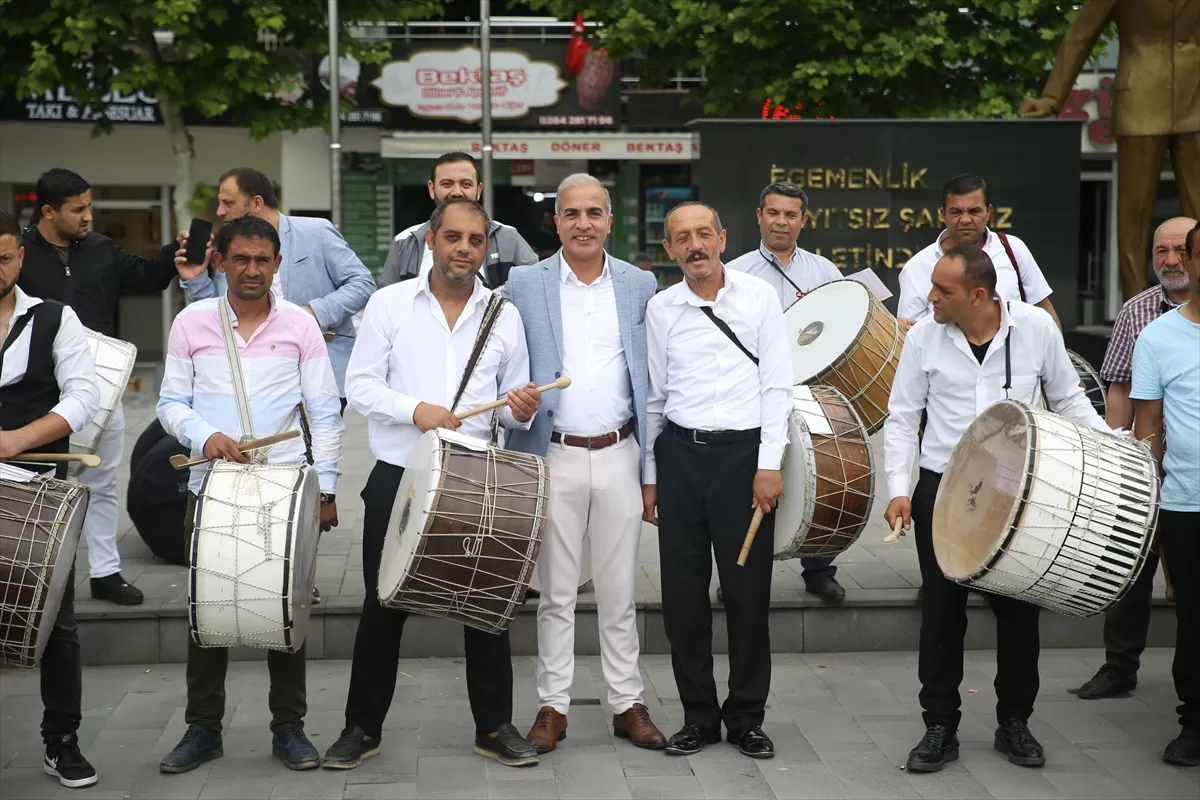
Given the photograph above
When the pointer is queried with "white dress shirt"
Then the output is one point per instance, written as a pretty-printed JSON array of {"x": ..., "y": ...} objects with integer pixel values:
[
  {"x": 406, "y": 354},
  {"x": 916, "y": 279},
  {"x": 79, "y": 401},
  {"x": 699, "y": 379},
  {"x": 939, "y": 373},
  {"x": 601, "y": 398},
  {"x": 806, "y": 270}
]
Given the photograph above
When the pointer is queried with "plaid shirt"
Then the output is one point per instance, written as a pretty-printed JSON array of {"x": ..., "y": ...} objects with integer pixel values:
[{"x": 1134, "y": 316}]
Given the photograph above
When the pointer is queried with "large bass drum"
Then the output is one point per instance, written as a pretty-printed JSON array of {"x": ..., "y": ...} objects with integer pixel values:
[
  {"x": 114, "y": 360},
  {"x": 1041, "y": 508}
]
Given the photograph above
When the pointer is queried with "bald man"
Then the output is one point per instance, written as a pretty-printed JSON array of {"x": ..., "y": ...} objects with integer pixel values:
[{"x": 1126, "y": 622}]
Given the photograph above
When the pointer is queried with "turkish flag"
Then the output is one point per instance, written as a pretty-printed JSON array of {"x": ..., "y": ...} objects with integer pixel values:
[{"x": 577, "y": 47}]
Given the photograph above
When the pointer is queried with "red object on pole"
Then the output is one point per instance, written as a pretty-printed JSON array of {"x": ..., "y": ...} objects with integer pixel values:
[{"x": 577, "y": 47}]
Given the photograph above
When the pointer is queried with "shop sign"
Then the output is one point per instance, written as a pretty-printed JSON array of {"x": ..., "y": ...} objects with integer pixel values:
[
  {"x": 59, "y": 106},
  {"x": 600, "y": 146}
]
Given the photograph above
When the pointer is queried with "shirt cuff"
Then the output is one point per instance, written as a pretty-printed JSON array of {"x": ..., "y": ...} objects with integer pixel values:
[
  {"x": 898, "y": 485},
  {"x": 403, "y": 408},
  {"x": 199, "y": 433},
  {"x": 649, "y": 472},
  {"x": 71, "y": 410},
  {"x": 328, "y": 480},
  {"x": 770, "y": 456}
]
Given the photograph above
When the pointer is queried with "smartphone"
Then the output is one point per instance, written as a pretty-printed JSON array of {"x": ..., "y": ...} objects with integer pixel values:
[{"x": 198, "y": 240}]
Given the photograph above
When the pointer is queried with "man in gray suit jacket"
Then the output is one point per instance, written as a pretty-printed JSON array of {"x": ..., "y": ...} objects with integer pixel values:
[
  {"x": 584, "y": 316},
  {"x": 319, "y": 271}
]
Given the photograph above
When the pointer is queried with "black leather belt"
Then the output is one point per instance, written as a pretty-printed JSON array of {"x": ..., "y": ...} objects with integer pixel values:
[
  {"x": 594, "y": 442},
  {"x": 713, "y": 437}
]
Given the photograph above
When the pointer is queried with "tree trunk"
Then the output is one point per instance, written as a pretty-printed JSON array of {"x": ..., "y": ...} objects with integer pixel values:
[{"x": 185, "y": 160}]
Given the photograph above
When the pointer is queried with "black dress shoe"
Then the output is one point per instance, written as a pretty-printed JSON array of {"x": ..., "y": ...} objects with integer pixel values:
[
  {"x": 752, "y": 742},
  {"x": 508, "y": 747},
  {"x": 1014, "y": 740},
  {"x": 113, "y": 587},
  {"x": 350, "y": 749},
  {"x": 1184, "y": 751},
  {"x": 691, "y": 739},
  {"x": 938, "y": 747},
  {"x": 827, "y": 588},
  {"x": 1107, "y": 682}
]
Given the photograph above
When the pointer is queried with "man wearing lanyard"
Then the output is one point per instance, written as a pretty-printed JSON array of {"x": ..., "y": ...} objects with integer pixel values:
[
  {"x": 793, "y": 272},
  {"x": 1166, "y": 385},
  {"x": 1127, "y": 622},
  {"x": 973, "y": 351}
]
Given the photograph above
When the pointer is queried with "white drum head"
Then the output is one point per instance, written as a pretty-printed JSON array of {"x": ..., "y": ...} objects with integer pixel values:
[
  {"x": 794, "y": 513},
  {"x": 114, "y": 360},
  {"x": 823, "y": 324},
  {"x": 410, "y": 512}
]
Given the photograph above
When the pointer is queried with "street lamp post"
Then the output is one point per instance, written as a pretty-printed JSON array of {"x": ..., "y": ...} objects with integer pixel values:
[
  {"x": 485, "y": 77},
  {"x": 335, "y": 120}
]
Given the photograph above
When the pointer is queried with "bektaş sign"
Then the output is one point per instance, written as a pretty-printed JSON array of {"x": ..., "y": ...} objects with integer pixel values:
[{"x": 447, "y": 84}]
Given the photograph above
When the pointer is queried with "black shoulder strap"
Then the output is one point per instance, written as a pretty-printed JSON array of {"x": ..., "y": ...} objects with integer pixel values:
[
  {"x": 1013, "y": 259},
  {"x": 725, "y": 329},
  {"x": 490, "y": 315}
]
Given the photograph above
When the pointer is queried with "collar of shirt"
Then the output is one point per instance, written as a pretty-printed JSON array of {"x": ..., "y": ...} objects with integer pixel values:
[
  {"x": 271, "y": 299},
  {"x": 479, "y": 296},
  {"x": 24, "y": 302},
  {"x": 960, "y": 340},
  {"x": 567, "y": 275},
  {"x": 1166, "y": 304},
  {"x": 732, "y": 279},
  {"x": 771, "y": 258},
  {"x": 988, "y": 238}
]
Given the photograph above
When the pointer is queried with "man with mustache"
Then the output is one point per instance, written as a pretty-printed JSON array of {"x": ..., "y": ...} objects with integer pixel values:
[
  {"x": 794, "y": 272},
  {"x": 720, "y": 396},
  {"x": 1127, "y": 622},
  {"x": 287, "y": 374},
  {"x": 414, "y": 347},
  {"x": 89, "y": 272},
  {"x": 48, "y": 390},
  {"x": 966, "y": 210},
  {"x": 455, "y": 175}
]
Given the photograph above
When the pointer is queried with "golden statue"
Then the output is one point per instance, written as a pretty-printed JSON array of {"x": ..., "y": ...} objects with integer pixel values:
[{"x": 1156, "y": 109}]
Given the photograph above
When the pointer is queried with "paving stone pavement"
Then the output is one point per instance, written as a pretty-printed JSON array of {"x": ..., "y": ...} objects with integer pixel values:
[
  {"x": 843, "y": 724},
  {"x": 870, "y": 570}
]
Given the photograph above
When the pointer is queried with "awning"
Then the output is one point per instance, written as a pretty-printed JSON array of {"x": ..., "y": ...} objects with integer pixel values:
[{"x": 601, "y": 145}]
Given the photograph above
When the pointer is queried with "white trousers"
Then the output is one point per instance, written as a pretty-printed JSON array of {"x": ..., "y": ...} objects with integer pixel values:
[
  {"x": 597, "y": 493},
  {"x": 100, "y": 525}
]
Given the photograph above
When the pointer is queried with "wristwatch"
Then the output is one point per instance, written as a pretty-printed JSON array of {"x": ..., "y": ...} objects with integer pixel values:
[{"x": 326, "y": 499}]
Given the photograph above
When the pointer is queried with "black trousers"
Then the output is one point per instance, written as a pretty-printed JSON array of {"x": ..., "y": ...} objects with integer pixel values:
[
  {"x": 705, "y": 493},
  {"x": 207, "y": 666},
  {"x": 1126, "y": 623},
  {"x": 377, "y": 644},
  {"x": 62, "y": 673},
  {"x": 944, "y": 624},
  {"x": 1180, "y": 540}
]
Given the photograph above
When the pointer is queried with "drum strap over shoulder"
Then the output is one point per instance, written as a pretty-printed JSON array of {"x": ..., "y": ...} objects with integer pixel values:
[
  {"x": 1008, "y": 249},
  {"x": 725, "y": 329},
  {"x": 486, "y": 325}
]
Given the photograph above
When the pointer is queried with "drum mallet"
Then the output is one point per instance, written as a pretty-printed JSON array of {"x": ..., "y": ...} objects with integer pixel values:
[
  {"x": 755, "y": 521},
  {"x": 86, "y": 459},
  {"x": 561, "y": 383},
  {"x": 896, "y": 532},
  {"x": 180, "y": 461}
]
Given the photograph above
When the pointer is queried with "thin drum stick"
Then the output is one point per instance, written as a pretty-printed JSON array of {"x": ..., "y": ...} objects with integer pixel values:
[
  {"x": 561, "y": 383},
  {"x": 180, "y": 461},
  {"x": 87, "y": 459},
  {"x": 895, "y": 534},
  {"x": 749, "y": 540}
]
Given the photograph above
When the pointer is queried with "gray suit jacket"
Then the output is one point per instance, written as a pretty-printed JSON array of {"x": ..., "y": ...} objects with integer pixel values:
[
  {"x": 534, "y": 290},
  {"x": 319, "y": 271}
]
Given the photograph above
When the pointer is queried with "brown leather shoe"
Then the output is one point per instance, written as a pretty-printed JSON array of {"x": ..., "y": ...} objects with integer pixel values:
[
  {"x": 548, "y": 730},
  {"x": 635, "y": 725}
]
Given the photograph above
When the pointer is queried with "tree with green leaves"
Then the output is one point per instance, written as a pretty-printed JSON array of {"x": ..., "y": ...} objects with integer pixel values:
[
  {"x": 240, "y": 61},
  {"x": 859, "y": 58}
]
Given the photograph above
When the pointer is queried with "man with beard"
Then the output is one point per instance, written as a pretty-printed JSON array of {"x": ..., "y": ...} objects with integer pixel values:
[
  {"x": 966, "y": 209},
  {"x": 48, "y": 390},
  {"x": 794, "y": 272},
  {"x": 87, "y": 271},
  {"x": 415, "y": 345},
  {"x": 717, "y": 424},
  {"x": 455, "y": 175},
  {"x": 1126, "y": 623},
  {"x": 281, "y": 357}
]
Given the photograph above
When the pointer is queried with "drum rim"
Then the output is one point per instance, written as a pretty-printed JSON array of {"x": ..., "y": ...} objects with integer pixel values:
[
  {"x": 841, "y": 359},
  {"x": 808, "y": 453}
]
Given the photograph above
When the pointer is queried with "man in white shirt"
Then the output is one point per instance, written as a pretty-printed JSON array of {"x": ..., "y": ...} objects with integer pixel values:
[
  {"x": 413, "y": 346},
  {"x": 48, "y": 390},
  {"x": 793, "y": 272},
  {"x": 966, "y": 209},
  {"x": 720, "y": 397},
  {"x": 584, "y": 315},
  {"x": 974, "y": 351}
]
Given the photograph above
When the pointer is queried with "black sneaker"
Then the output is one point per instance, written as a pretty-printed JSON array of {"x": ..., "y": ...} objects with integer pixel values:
[
  {"x": 1184, "y": 751},
  {"x": 691, "y": 739},
  {"x": 938, "y": 747},
  {"x": 350, "y": 749},
  {"x": 827, "y": 588},
  {"x": 1107, "y": 682},
  {"x": 65, "y": 762},
  {"x": 292, "y": 747},
  {"x": 199, "y": 744},
  {"x": 114, "y": 588},
  {"x": 1014, "y": 740},
  {"x": 508, "y": 747}
]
